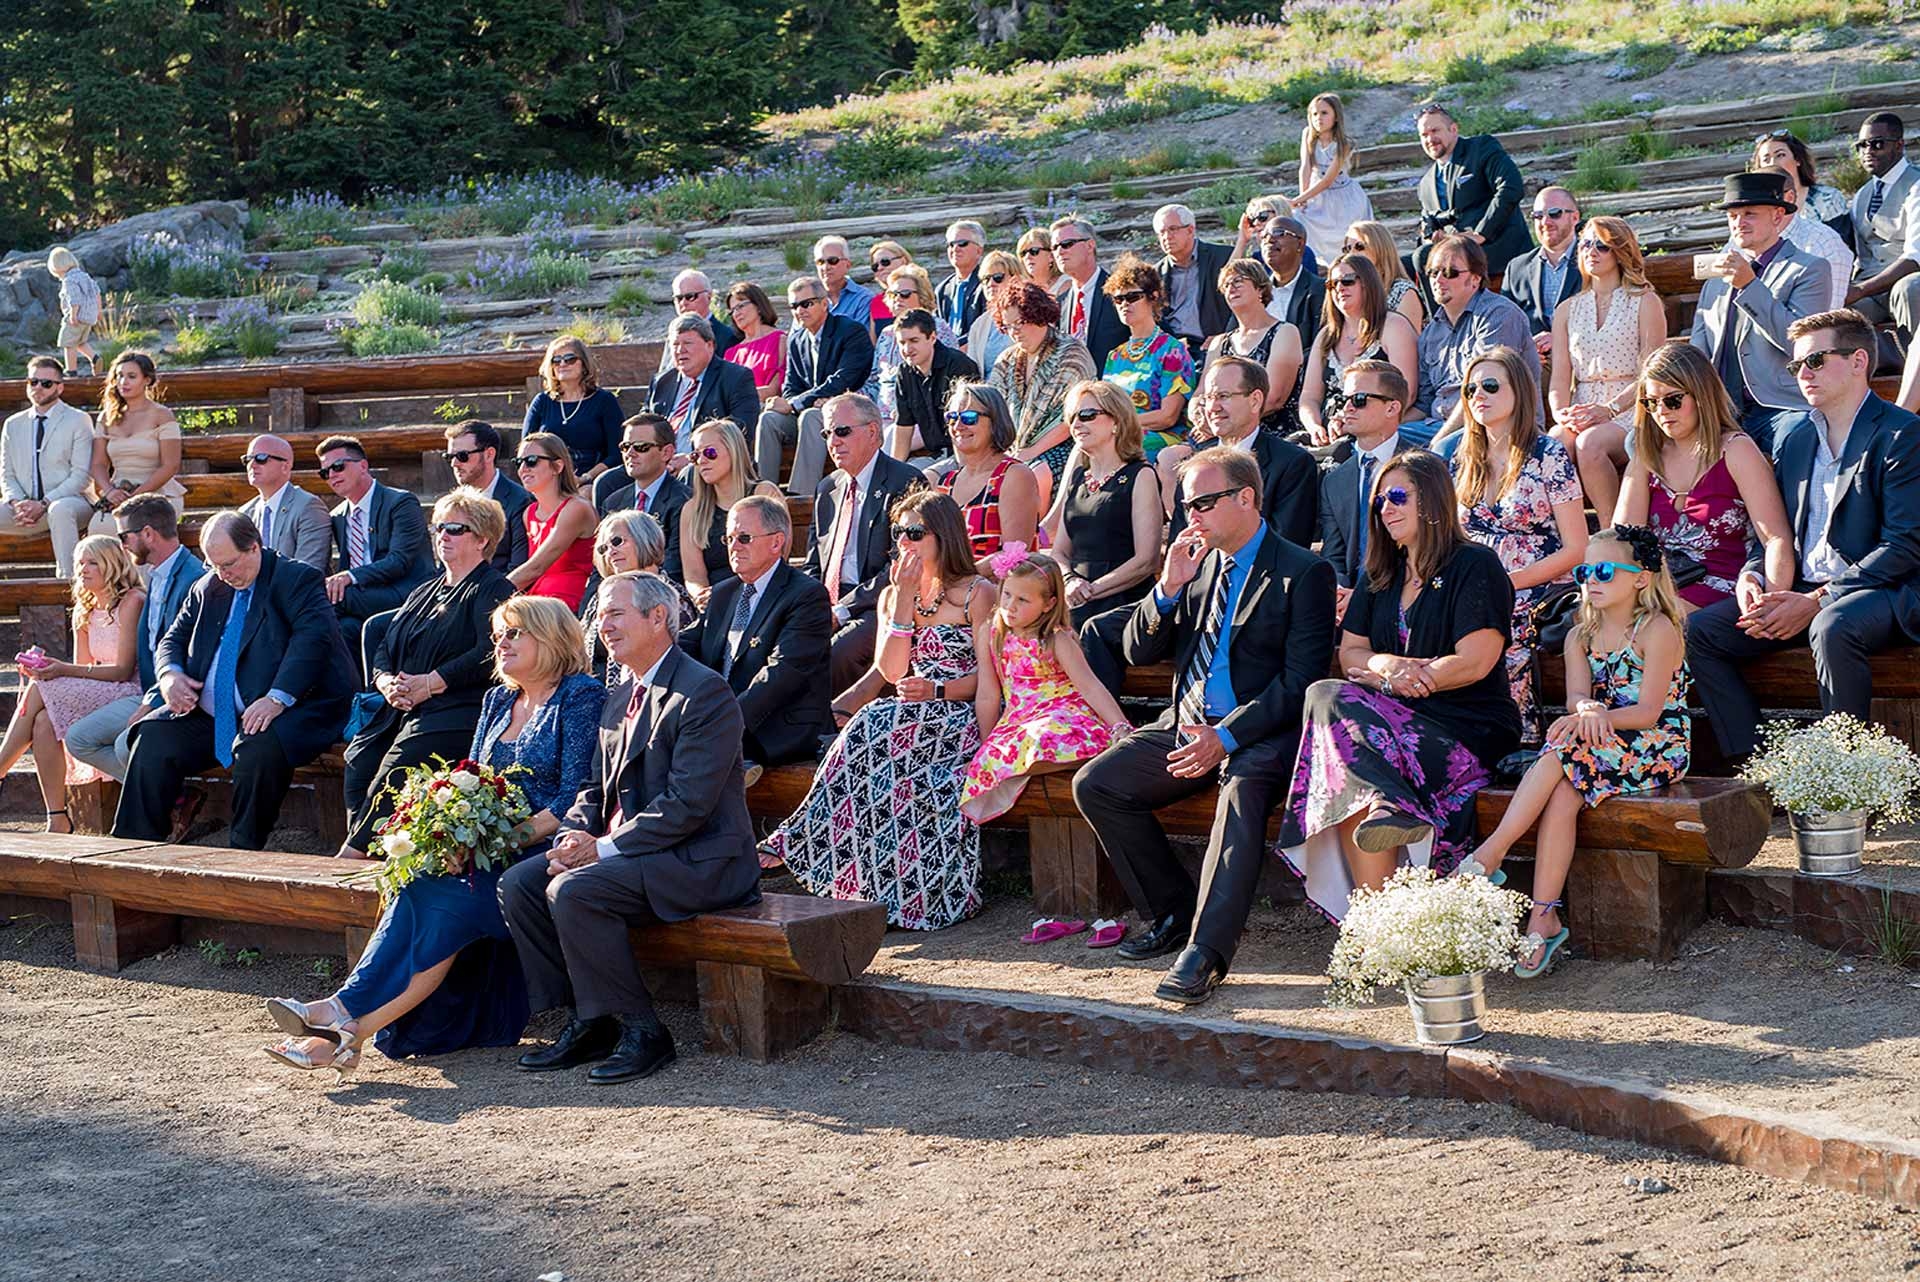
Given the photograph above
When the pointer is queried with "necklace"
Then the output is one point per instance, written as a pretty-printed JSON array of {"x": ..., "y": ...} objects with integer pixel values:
[
  {"x": 566, "y": 418},
  {"x": 927, "y": 612},
  {"x": 1094, "y": 484},
  {"x": 1134, "y": 348}
]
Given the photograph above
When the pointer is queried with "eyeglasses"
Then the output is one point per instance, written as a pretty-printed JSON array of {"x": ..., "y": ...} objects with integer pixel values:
[
  {"x": 1206, "y": 502},
  {"x": 1595, "y": 244},
  {"x": 613, "y": 541},
  {"x": 998, "y": 278},
  {"x": 453, "y": 527},
  {"x": 567, "y": 358},
  {"x": 883, "y": 261},
  {"x": 1445, "y": 273},
  {"x": 335, "y": 468},
  {"x": 689, "y": 297},
  {"x": 641, "y": 447},
  {"x": 456, "y": 456},
  {"x": 511, "y": 634},
  {"x": 1059, "y": 245},
  {"x": 1551, "y": 211},
  {"x": 1344, "y": 282},
  {"x": 1485, "y": 386},
  {"x": 908, "y": 292},
  {"x": 961, "y": 244},
  {"x": 804, "y": 303},
  {"x": 1817, "y": 360},
  {"x": 264, "y": 458},
  {"x": 533, "y": 460},
  {"x": 1262, "y": 218},
  {"x": 1035, "y": 251},
  {"x": 1876, "y": 144},
  {"x": 911, "y": 533},
  {"x": 1360, "y": 400},
  {"x": 740, "y": 538},
  {"x": 1670, "y": 401},
  {"x": 831, "y": 260},
  {"x": 710, "y": 452},
  {"x": 1394, "y": 494},
  {"x": 1128, "y": 297},
  {"x": 43, "y": 382},
  {"x": 968, "y": 417},
  {"x": 1217, "y": 395},
  {"x": 1603, "y": 571},
  {"x": 841, "y": 430},
  {"x": 1284, "y": 233},
  {"x": 1087, "y": 414}
]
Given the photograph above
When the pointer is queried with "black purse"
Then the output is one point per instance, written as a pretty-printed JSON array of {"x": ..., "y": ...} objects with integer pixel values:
[{"x": 1553, "y": 617}]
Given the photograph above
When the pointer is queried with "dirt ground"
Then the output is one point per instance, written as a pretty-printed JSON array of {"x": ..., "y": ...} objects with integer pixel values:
[{"x": 148, "y": 1138}]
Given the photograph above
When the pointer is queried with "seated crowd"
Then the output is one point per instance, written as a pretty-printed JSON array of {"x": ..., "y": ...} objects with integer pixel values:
[{"x": 1023, "y": 479}]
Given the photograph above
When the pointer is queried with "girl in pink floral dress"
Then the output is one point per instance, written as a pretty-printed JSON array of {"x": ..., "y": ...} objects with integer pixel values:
[{"x": 1039, "y": 704}]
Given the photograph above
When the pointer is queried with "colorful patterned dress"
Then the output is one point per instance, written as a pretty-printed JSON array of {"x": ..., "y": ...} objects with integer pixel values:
[
  {"x": 1644, "y": 759},
  {"x": 882, "y": 821},
  {"x": 1044, "y": 721},
  {"x": 1708, "y": 523},
  {"x": 1151, "y": 370}
]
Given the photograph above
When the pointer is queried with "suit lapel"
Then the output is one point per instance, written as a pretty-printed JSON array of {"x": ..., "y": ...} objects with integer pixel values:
[
  {"x": 1798, "y": 460},
  {"x": 1859, "y": 437},
  {"x": 262, "y": 584},
  {"x": 1259, "y": 576}
]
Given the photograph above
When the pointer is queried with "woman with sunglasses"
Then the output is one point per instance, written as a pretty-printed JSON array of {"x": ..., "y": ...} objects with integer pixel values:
[
  {"x": 989, "y": 336},
  {"x": 763, "y": 344},
  {"x": 1519, "y": 495},
  {"x": 883, "y": 258},
  {"x": 1257, "y": 336},
  {"x": 723, "y": 474},
  {"x": 1392, "y": 755},
  {"x": 407, "y": 992},
  {"x": 999, "y": 499},
  {"x": 1702, "y": 484},
  {"x": 574, "y": 407},
  {"x": 1151, "y": 365},
  {"x": 1601, "y": 337},
  {"x": 1035, "y": 251},
  {"x": 559, "y": 522},
  {"x": 1779, "y": 149},
  {"x": 626, "y": 542},
  {"x": 881, "y": 823},
  {"x": 1372, "y": 238},
  {"x": 1107, "y": 523},
  {"x": 1355, "y": 326},
  {"x": 1260, "y": 211},
  {"x": 908, "y": 288},
  {"x": 432, "y": 665},
  {"x": 1034, "y": 378}
]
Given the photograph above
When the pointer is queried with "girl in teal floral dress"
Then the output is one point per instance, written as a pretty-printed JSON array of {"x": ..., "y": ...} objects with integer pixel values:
[{"x": 1627, "y": 730}]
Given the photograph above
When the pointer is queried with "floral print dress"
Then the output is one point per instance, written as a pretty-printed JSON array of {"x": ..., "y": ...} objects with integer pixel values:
[
  {"x": 1044, "y": 721},
  {"x": 1150, "y": 370},
  {"x": 1644, "y": 759}
]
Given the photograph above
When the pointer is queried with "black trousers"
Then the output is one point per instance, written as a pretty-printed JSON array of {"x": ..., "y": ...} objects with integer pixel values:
[
  {"x": 375, "y": 760},
  {"x": 571, "y": 931},
  {"x": 853, "y": 646},
  {"x": 1100, "y": 637},
  {"x": 167, "y": 750},
  {"x": 1119, "y": 790},
  {"x": 1843, "y": 636}
]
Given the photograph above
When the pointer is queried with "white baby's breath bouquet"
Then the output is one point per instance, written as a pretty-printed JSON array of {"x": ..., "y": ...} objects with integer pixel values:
[
  {"x": 1837, "y": 763},
  {"x": 1418, "y": 926},
  {"x": 449, "y": 819}
]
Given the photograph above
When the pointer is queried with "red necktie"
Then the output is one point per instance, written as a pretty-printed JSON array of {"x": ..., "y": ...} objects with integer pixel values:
[
  {"x": 639, "y": 500},
  {"x": 626, "y": 742},
  {"x": 680, "y": 407},
  {"x": 1079, "y": 312},
  {"x": 844, "y": 531}
]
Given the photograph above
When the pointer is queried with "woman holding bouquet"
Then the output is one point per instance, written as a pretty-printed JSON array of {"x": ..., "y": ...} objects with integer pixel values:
[{"x": 440, "y": 972}]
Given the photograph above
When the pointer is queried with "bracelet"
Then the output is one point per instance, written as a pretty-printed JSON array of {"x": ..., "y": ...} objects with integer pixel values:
[{"x": 899, "y": 629}]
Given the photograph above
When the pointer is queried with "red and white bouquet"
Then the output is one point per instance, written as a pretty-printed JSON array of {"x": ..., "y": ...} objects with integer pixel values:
[{"x": 450, "y": 819}]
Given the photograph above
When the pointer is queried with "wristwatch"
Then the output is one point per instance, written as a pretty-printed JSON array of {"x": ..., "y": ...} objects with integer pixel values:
[{"x": 939, "y": 689}]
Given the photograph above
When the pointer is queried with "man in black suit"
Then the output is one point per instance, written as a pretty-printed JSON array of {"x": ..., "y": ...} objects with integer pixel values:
[
  {"x": 929, "y": 369},
  {"x": 646, "y": 484},
  {"x": 826, "y": 355},
  {"x": 769, "y": 631},
  {"x": 1373, "y": 395},
  {"x": 1473, "y": 187},
  {"x": 659, "y": 834},
  {"x": 851, "y": 551},
  {"x": 1247, "y": 619},
  {"x": 1196, "y": 310},
  {"x": 1299, "y": 295},
  {"x": 1085, "y": 310},
  {"x": 253, "y": 674},
  {"x": 473, "y": 452},
  {"x": 700, "y": 385},
  {"x": 1548, "y": 274},
  {"x": 1856, "y": 593},
  {"x": 958, "y": 296},
  {"x": 379, "y": 539}
]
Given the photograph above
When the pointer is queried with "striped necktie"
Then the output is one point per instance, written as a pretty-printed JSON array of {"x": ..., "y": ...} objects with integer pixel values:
[
  {"x": 1879, "y": 194},
  {"x": 356, "y": 537},
  {"x": 1192, "y": 703},
  {"x": 737, "y": 629},
  {"x": 683, "y": 406}
]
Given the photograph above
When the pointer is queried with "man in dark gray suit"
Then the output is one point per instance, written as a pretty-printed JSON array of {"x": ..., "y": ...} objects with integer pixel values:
[
  {"x": 1196, "y": 309},
  {"x": 659, "y": 834},
  {"x": 292, "y": 522},
  {"x": 1373, "y": 396},
  {"x": 1299, "y": 295},
  {"x": 699, "y": 385},
  {"x": 379, "y": 539},
  {"x": 645, "y": 483},
  {"x": 473, "y": 452}
]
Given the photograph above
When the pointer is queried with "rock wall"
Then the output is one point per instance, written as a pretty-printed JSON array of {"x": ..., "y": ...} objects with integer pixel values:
[{"x": 30, "y": 296}]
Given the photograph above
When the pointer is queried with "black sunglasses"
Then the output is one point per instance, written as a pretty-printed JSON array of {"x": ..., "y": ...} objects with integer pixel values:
[
  {"x": 1816, "y": 360},
  {"x": 998, "y": 278},
  {"x": 1595, "y": 244},
  {"x": 264, "y": 458},
  {"x": 883, "y": 261},
  {"x": 1344, "y": 282},
  {"x": 613, "y": 541},
  {"x": 740, "y": 538},
  {"x": 1284, "y": 233},
  {"x": 1059, "y": 245},
  {"x": 969, "y": 417},
  {"x": 1360, "y": 400},
  {"x": 1445, "y": 273},
  {"x": 1127, "y": 297},
  {"x": 333, "y": 469},
  {"x": 908, "y": 292},
  {"x": 1394, "y": 494},
  {"x": 567, "y": 358},
  {"x": 1672, "y": 401},
  {"x": 1035, "y": 251},
  {"x": 1206, "y": 502},
  {"x": 799, "y": 304},
  {"x": 1262, "y": 218},
  {"x": 1876, "y": 144},
  {"x": 461, "y": 456},
  {"x": 1353, "y": 247},
  {"x": 534, "y": 460},
  {"x": 1487, "y": 386},
  {"x": 43, "y": 382},
  {"x": 961, "y": 244},
  {"x": 1087, "y": 414},
  {"x": 842, "y": 430},
  {"x": 642, "y": 447},
  {"x": 911, "y": 533},
  {"x": 831, "y": 260},
  {"x": 453, "y": 527},
  {"x": 688, "y": 298}
]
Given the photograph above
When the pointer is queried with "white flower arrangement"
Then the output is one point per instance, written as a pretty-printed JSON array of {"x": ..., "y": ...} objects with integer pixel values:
[
  {"x": 1418, "y": 926},
  {"x": 1837, "y": 763},
  {"x": 449, "y": 819}
]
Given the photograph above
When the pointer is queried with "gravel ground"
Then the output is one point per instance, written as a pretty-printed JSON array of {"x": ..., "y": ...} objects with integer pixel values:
[{"x": 150, "y": 1139}]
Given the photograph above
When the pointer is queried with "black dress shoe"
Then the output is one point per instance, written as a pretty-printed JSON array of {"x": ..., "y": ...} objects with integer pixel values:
[
  {"x": 1157, "y": 940},
  {"x": 582, "y": 1041},
  {"x": 642, "y": 1052},
  {"x": 1195, "y": 974}
]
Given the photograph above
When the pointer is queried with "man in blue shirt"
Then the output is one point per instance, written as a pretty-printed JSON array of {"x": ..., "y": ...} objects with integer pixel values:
[
  {"x": 1468, "y": 321},
  {"x": 1247, "y": 620}
]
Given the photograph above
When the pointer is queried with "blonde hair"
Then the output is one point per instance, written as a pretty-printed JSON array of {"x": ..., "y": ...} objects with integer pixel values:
[
  {"x": 1342, "y": 148},
  {"x": 1000, "y": 260},
  {"x": 553, "y": 447},
  {"x": 922, "y": 284},
  {"x": 568, "y": 343},
  {"x": 1129, "y": 442},
  {"x": 891, "y": 247},
  {"x": 1657, "y": 596},
  {"x": 1381, "y": 251},
  {"x": 488, "y": 518},
  {"x": 706, "y": 500},
  {"x": 1057, "y": 617},
  {"x": 61, "y": 260},
  {"x": 118, "y": 576},
  {"x": 552, "y": 627},
  {"x": 1471, "y": 465}
]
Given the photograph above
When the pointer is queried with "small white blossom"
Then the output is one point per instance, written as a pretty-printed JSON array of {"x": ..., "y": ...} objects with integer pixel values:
[
  {"x": 1418, "y": 926},
  {"x": 1837, "y": 763},
  {"x": 396, "y": 845}
]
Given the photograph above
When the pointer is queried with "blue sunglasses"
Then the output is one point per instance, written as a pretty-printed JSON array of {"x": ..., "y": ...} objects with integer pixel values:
[{"x": 1603, "y": 571}]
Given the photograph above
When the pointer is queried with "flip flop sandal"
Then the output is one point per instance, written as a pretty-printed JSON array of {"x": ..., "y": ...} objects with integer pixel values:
[
  {"x": 1048, "y": 929},
  {"x": 1107, "y": 932}
]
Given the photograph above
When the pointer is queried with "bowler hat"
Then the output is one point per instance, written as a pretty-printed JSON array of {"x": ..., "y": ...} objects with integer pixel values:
[{"x": 1755, "y": 189}]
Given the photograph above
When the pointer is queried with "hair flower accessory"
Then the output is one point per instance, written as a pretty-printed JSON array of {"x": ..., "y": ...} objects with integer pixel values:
[{"x": 1009, "y": 555}]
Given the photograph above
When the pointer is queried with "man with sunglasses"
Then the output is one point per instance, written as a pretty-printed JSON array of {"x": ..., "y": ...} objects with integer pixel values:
[
  {"x": 1886, "y": 227},
  {"x": 473, "y": 452},
  {"x": 379, "y": 539},
  {"x": 848, "y": 298},
  {"x": 1299, "y": 293},
  {"x": 826, "y": 356},
  {"x": 928, "y": 371},
  {"x": 1539, "y": 279},
  {"x": 1196, "y": 309},
  {"x": 292, "y": 522},
  {"x": 1085, "y": 310},
  {"x": 1468, "y": 320},
  {"x": 1472, "y": 189},
  {"x": 647, "y": 484},
  {"x": 699, "y": 384},
  {"x": 1246, "y": 618},
  {"x": 958, "y": 296},
  {"x": 1849, "y": 470},
  {"x": 45, "y": 452},
  {"x": 1372, "y": 396},
  {"x": 693, "y": 296}
]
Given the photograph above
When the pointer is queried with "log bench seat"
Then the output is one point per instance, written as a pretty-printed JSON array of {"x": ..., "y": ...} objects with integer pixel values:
[{"x": 764, "y": 972}]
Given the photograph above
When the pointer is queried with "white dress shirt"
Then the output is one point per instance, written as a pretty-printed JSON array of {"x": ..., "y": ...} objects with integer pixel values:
[
  {"x": 1820, "y": 562},
  {"x": 1283, "y": 296}
]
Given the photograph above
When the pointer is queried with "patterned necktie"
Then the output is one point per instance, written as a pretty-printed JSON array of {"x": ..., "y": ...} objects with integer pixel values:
[
  {"x": 683, "y": 407},
  {"x": 39, "y": 444},
  {"x": 1079, "y": 311},
  {"x": 1879, "y": 194},
  {"x": 626, "y": 744},
  {"x": 737, "y": 630},
  {"x": 356, "y": 538},
  {"x": 639, "y": 500},
  {"x": 226, "y": 698},
  {"x": 1366, "y": 514},
  {"x": 1192, "y": 704},
  {"x": 843, "y": 533}
]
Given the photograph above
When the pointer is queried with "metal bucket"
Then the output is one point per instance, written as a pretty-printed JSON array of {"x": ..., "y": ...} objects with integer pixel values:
[
  {"x": 1830, "y": 841},
  {"x": 1447, "y": 1008}
]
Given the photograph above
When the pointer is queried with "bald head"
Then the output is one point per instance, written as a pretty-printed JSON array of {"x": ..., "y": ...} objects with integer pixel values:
[
  {"x": 1556, "y": 217},
  {"x": 269, "y": 462}
]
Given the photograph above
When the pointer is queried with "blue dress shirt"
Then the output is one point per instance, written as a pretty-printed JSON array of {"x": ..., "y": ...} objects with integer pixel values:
[{"x": 1219, "y": 689}]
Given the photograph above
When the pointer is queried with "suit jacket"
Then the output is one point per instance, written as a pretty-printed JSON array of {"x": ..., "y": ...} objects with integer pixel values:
[
  {"x": 1105, "y": 329},
  {"x": 186, "y": 572},
  {"x": 726, "y": 391},
  {"x": 664, "y": 507},
  {"x": 290, "y": 642},
  {"x": 513, "y": 500},
  {"x": 1282, "y": 641},
  {"x": 400, "y": 556},
  {"x": 1290, "y": 497},
  {"x": 725, "y": 339},
  {"x": 66, "y": 452},
  {"x": 1341, "y": 514},
  {"x": 780, "y": 667},
  {"x": 300, "y": 527},
  {"x": 1875, "y": 523},
  {"x": 452, "y": 636},
  {"x": 676, "y": 779},
  {"x": 892, "y": 481},
  {"x": 1304, "y": 312},
  {"x": 1880, "y": 241},
  {"x": 1477, "y": 189},
  {"x": 1524, "y": 284},
  {"x": 1215, "y": 316},
  {"x": 838, "y": 360},
  {"x": 1795, "y": 284},
  {"x": 975, "y": 303}
]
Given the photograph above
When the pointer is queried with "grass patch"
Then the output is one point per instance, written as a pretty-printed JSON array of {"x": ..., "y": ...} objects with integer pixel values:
[
  {"x": 1647, "y": 144},
  {"x": 1493, "y": 119},
  {"x": 1811, "y": 122},
  {"x": 1226, "y": 199},
  {"x": 386, "y": 302},
  {"x": 1644, "y": 58},
  {"x": 1279, "y": 152},
  {"x": 193, "y": 344},
  {"x": 1601, "y": 167},
  {"x": 1893, "y": 939},
  {"x": 401, "y": 263},
  {"x": 594, "y": 330},
  {"x": 1615, "y": 109},
  {"x": 627, "y": 298},
  {"x": 388, "y": 340},
  {"x": 797, "y": 255}
]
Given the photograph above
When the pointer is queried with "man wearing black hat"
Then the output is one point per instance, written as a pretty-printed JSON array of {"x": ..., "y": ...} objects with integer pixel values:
[{"x": 1753, "y": 292}]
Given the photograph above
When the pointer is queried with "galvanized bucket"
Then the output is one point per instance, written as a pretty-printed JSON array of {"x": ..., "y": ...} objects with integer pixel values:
[
  {"x": 1447, "y": 1008},
  {"x": 1830, "y": 841}
]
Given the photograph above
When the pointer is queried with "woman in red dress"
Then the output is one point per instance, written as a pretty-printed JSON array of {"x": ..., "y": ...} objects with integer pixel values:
[{"x": 560, "y": 523}]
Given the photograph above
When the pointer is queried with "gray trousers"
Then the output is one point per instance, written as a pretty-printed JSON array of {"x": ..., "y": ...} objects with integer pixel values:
[
  {"x": 571, "y": 933},
  {"x": 1901, "y": 305},
  {"x": 100, "y": 737},
  {"x": 775, "y": 432}
]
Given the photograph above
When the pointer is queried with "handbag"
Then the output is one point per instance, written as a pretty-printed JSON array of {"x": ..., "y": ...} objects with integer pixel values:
[
  {"x": 1686, "y": 570},
  {"x": 1553, "y": 617}
]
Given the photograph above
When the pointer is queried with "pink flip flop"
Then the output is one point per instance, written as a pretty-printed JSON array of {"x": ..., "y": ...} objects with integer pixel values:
[
  {"x": 1048, "y": 929},
  {"x": 1107, "y": 932}
]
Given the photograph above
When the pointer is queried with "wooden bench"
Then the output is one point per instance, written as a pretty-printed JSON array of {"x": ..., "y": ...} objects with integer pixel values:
[
  {"x": 764, "y": 972},
  {"x": 1638, "y": 885}
]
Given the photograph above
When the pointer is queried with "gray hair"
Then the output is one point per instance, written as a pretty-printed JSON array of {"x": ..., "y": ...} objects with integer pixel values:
[
  {"x": 691, "y": 276},
  {"x": 808, "y": 287},
  {"x": 642, "y": 529},
  {"x": 236, "y": 527},
  {"x": 968, "y": 227},
  {"x": 1176, "y": 215},
  {"x": 649, "y": 592},
  {"x": 773, "y": 513},
  {"x": 824, "y": 241},
  {"x": 865, "y": 406},
  {"x": 993, "y": 404},
  {"x": 688, "y": 322},
  {"x": 1072, "y": 222}
]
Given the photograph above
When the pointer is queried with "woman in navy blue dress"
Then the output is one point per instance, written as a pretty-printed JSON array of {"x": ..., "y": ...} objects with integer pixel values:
[
  {"x": 574, "y": 407},
  {"x": 440, "y": 972}
]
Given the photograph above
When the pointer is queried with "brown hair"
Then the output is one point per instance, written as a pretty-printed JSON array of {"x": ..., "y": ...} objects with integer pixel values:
[
  {"x": 1465, "y": 246},
  {"x": 1129, "y": 442},
  {"x": 1392, "y": 383},
  {"x": 1850, "y": 329},
  {"x": 351, "y": 444},
  {"x": 1380, "y": 251},
  {"x": 554, "y": 447},
  {"x": 1439, "y": 534},
  {"x": 567, "y": 342},
  {"x": 1250, "y": 271},
  {"x": 1682, "y": 365},
  {"x": 1472, "y": 456},
  {"x": 1032, "y": 304},
  {"x": 1373, "y": 303},
  {"x": 762, "y": 305},
  {"x": 1133, "y": 272},
  {"x": 1616, "y": 234},
  {"x": 113, "y": 406},
  {"x": 949, "y": 529}
]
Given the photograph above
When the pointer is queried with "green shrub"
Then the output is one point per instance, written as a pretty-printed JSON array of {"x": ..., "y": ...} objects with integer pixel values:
[
  {"x": 401, "y": 263},
  {"x": 387, "y": 302},
  {"x": 797, "y": 255},
  {"x": 627, "y": 298},
  {"x": 193, "y": 343},
  {"x": 1848, "y": 174},
  {"x": 245, "y": 326},
  {"x": 434, "y": 282},
  {"x": 1642, "y": 59},
  {"x": 1646, "y": 144},
  {"x": 516, "y": 275},
  {"x": 108, "y": 346},
  {"x": 1226, "y": 199},
  {"x": 884, "y": 156},
  {"x": 382, "y": 339},
  {"x": 1601, "y": 168}
]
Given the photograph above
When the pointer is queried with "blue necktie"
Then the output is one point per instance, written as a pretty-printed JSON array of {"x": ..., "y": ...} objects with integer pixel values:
[
  {"x": 226, "y": 699},
  {"x": 1191, "y": 706},
  {"x": 1366, "y": 513},
  {"x": 737, "y": 630}
]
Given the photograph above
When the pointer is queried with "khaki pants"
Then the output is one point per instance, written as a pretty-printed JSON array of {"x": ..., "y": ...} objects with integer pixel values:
[{"x": 64, "y": 520}]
